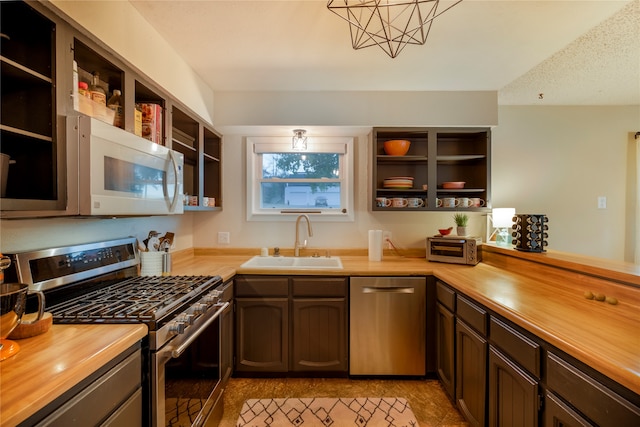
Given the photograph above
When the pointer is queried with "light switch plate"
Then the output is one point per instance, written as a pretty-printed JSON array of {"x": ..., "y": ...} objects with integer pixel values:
[
  {"x": 224, "y": 237},
  {"x": 602, "y": 202}
]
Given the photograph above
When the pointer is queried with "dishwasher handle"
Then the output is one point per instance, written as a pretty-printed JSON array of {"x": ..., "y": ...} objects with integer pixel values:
[{"x": 388, "y": 290}]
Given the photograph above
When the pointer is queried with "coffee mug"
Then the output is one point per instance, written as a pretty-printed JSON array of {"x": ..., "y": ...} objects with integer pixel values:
[
  {"x": 399, "y": 202},
  {"x": 415, "y": 202},
  {"x": 383, "y": 202},
  {"x": 477, "y": 202},
  {"x": 438, "y": 203},
  {"x": 450, "y": 202},
  {"x": 464, "y": 202}
]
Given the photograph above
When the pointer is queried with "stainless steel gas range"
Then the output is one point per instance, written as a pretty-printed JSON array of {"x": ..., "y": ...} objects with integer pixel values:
[{"x": 187, "y": 354}]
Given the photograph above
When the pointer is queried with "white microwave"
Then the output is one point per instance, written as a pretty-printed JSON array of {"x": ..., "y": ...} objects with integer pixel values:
[{"x": 121, "y": 174}]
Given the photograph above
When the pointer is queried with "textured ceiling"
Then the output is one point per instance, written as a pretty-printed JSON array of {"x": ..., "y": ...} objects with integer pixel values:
[{"x": 572, "y": 52}]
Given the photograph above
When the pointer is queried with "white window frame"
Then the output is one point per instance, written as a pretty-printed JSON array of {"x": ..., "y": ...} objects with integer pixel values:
[{"x": 255, "y": 146}]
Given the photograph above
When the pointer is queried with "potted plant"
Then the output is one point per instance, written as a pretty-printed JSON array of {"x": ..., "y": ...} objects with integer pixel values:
[{"x": 461, "y": 221}]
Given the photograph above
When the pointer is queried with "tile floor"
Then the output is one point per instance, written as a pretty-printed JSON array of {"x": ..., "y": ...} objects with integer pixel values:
[{"x": 427, "y": 398}]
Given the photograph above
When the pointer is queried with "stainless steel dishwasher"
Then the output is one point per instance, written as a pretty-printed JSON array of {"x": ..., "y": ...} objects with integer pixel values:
[{"x": 387, "y": 326}]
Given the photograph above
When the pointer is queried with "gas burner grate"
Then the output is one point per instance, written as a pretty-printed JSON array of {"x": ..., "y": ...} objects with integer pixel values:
[{"x": 140, "y": 299}]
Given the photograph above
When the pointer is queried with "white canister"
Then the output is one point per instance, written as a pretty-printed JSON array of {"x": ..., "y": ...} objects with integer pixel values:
[{"x": 151, "y": 263}]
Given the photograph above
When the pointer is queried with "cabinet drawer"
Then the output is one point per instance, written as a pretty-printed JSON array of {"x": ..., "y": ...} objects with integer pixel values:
[
  {"x": 473, "y": 315},
  {"x": 107, "y": 393},
  {"x": 520, "y": 348},
  {"x": 257, "y": 286},
  {"x": 319, "y": 287},
  {"x": 597, "y": 402},
  {"x": 557, "y": 413},
  {"x": 446, "y": 296}
]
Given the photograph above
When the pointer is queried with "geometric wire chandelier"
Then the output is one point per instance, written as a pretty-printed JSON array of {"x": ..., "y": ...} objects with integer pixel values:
[{"x": 390, "y": 24}]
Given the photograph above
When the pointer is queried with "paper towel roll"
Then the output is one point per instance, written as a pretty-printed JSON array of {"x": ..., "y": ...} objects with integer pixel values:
[{"x": 375, "y": 245}]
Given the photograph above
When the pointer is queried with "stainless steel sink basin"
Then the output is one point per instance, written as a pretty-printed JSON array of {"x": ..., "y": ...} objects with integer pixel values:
[{"x": 291, "y": 263}]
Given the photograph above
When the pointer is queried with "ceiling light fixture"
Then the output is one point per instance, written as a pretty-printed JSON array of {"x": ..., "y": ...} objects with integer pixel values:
[
  {"x": 299, "y": 140},
  {"x": 390, "y": 24}
]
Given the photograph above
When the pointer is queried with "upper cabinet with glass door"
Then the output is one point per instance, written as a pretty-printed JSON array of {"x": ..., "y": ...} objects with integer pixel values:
[{"x": 444, "y": 169}]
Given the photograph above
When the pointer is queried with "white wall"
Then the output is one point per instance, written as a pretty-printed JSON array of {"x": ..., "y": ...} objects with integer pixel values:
[
  {"x": 551, "y": 160},
  {"x": 31, "y": 234},
  {"x": 558, "y": 161},
  {"x": 409, "y": 229}
]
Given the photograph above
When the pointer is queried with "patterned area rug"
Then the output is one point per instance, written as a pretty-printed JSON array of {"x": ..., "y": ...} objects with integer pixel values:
[{"x": 327, "y": 412}]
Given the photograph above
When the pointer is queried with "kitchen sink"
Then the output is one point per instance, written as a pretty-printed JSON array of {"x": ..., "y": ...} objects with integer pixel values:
[{"x": 292, "y": 263}]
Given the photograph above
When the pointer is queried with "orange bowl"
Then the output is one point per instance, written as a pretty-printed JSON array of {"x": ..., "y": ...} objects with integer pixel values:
[
  {"x": 444, "y": 231},
  {"x": 453, "y": 184},
  {"x": 396, "y": 147}
]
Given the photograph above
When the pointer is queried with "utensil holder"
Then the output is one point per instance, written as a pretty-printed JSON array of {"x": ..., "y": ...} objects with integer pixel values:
[
  {"x": 530, "y": 232},
  {"x": 151, "y": 263}
]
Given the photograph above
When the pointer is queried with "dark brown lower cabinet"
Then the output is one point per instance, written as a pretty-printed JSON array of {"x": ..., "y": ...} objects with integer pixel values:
[
  {"x": 291, "y": 324},
  {"x": 446, "y": 362},
  {"x": 593, "y": 399},
  {"x": 558, "y": 414},
  {"x": 513, "y": 394},
  {"x": 471, "y": 374},
  {"x": 262, "y": 337},
  {"x": 319, "y": 334}
]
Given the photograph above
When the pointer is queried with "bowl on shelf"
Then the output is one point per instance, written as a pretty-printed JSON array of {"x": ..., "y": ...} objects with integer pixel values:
[
  {"x": 445, "y": 231},
  {"x": 397, "y": 147},
  {"x": 453, "y": 184}
]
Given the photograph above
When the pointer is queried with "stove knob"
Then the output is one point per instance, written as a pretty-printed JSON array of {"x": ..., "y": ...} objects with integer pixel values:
[
  {"x": 198, "y": 308},
  {"x": 177, "y": 327},
  {"x": 187, "y": 318},
  {"x": 212, "y": 297}
]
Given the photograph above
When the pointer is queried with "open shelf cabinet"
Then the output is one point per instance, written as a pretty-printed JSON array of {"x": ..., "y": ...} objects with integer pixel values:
[{"x": 435, "y": 156}]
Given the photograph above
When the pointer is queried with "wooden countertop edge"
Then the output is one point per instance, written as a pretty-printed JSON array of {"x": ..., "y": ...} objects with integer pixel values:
[
  {"x": 37, "y": 394},
  {"x": 618, "y": 271}
]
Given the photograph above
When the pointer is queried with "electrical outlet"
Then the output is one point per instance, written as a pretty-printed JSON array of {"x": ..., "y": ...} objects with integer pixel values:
[
  {"x": 224, "y": 237},
  {"x": 602, "y": 202},
  {"x": 386, "y": 237}
]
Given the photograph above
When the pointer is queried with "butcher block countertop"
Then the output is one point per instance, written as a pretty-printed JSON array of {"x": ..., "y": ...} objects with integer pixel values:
[
  {"x": 542, "y": 293},
  {"x": 48, "y": 365}
]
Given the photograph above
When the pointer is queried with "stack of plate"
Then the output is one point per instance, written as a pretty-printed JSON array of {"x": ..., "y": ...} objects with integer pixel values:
[{"x": 402, "y": 182}]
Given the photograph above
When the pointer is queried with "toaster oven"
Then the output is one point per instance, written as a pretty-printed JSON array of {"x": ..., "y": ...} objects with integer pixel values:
[{"x": 454, "y": 249}]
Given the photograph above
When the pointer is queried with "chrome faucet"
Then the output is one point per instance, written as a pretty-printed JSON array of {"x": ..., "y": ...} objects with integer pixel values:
[{"x": 298, "y": 245}]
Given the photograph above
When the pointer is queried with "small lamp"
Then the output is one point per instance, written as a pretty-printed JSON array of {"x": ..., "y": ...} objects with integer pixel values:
[
  {"x": 502, "y": 219},
  {"x": 299, "y": 141}
]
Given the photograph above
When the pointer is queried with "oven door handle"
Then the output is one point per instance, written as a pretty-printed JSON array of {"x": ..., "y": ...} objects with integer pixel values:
[{"x": 177, "y": 352}]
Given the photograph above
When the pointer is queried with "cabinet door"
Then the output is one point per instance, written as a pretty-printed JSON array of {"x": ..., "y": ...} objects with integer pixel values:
[
  {"x": 446, "y": 348},
  {"x": 513, "y": 395},
  {"x": 558, "y": 414},
  {"x": 471, "y": 374},
  {"x": 262, "y": 338},
  {"x": 35, "y": 178},
  {"x": 319, "y": 334}
]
